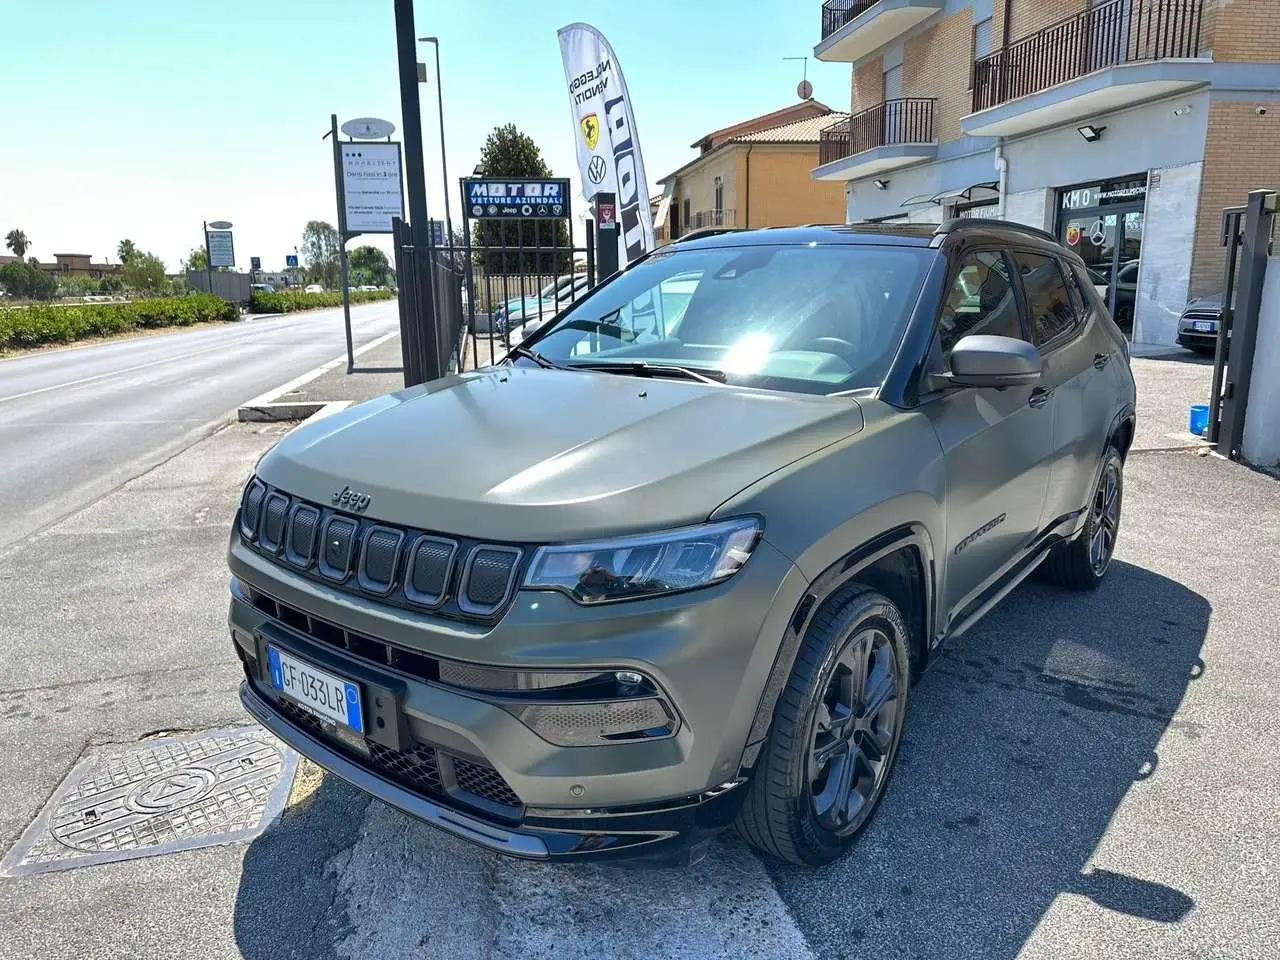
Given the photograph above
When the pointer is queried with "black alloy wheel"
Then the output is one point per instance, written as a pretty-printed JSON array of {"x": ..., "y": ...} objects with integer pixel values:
[
  {"x": 855, "y": 729},
  {"x": 835, "y": 732}
]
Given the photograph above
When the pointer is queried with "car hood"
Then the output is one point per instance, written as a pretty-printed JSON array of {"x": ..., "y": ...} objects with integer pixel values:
[
  {"x": 536, "y": 455},
  {"x": 1211, "y": 304}
]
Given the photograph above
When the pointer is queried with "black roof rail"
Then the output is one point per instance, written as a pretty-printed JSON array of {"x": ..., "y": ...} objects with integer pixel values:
[
  {"x": 700, "y": 232},
  {"x": 958, "y": 223}
]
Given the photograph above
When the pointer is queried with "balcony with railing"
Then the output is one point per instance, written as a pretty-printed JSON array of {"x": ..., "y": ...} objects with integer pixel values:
[
  {"x": 712, "y": 218},
  {"x": 851, "y": 29},
  {"x": 888, "y": 136},
  {"x": 1112, "y": 55}
]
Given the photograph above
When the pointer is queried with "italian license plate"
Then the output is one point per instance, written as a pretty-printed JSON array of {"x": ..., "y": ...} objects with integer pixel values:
[
  {"x": 329, "y": 697},
  {"x": 1203, "y": 326}
]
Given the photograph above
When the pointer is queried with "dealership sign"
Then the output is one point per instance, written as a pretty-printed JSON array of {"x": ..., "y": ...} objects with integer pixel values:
[
  {"x": 494, "y": 198},
  {"x": 372, "y": 193},
  {"x": 221, "y": 249}
]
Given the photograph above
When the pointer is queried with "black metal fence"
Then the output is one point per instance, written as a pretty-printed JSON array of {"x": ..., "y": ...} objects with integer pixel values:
[
  {"x": 431, "y": 286},
  {"x": 510, "y": 288},
  {"x": 906, "y": 120},
  {"x": 836, "y": 13},
  {"x": 1121, "y": 31}
]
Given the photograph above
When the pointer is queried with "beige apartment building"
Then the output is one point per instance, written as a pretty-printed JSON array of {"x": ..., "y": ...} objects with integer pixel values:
[
  {"x": 753, "y": 174},
  {"x": 1122, "y": 126}
]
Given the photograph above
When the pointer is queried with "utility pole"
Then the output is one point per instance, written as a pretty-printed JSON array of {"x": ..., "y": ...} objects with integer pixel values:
[{"x": 419, "y": 339}]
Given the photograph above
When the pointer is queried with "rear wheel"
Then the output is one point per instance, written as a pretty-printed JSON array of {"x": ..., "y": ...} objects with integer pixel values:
[
  {"x": 835, "y": 733},
  {"x": 1082, "y": 563}
]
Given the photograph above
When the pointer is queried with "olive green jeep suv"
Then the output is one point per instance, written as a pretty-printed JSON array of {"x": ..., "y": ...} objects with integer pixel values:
[{"x": 674, "y": 563}]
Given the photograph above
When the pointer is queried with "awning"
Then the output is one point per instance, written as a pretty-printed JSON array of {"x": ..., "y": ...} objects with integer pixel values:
[
  {"x": 917, "y": 200},
  {"x": 664, "y": 205},
  {"x": 978, "y": 193}
]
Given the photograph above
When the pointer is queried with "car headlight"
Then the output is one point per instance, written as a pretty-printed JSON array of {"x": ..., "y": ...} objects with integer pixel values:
[{"x": 630, "y": 568}]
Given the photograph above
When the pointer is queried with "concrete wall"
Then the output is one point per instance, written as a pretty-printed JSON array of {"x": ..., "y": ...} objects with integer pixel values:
[
  {"x": 1136, "y": 140},
  {"x": 1032, "y": 207},
  {"x": 1262, "y": 420},
  {"x": 1164, "y": 276}
]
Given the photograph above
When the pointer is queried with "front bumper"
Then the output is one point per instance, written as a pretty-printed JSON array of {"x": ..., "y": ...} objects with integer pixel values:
[
  {"x": 709, "y": 651},
  {"x": 671, "y": 833}
]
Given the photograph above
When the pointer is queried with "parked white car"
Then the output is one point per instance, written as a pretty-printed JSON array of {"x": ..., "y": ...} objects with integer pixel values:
[{"x": 314, "y": 288}]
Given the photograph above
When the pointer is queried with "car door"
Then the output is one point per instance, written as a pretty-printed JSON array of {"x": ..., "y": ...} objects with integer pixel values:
[
  {"x": 1075, "y": 349},
  {"x": 997, "y": 445}
]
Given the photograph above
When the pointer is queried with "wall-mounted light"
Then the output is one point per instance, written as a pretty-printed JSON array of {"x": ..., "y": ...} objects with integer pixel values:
[
  {"x": 881, "y": 184},
  {"x": 1090, "y": 133},
  {"x": 1183, "y": 110}
]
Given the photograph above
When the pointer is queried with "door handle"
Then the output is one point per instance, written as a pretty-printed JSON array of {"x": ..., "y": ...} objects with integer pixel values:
[
  {"x": 1100, "y": 360},
  {"x": 1039, "y": 397}
]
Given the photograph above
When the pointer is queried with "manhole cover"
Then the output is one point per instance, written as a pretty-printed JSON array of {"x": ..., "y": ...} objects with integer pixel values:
[{"x": 158, "y": 796}]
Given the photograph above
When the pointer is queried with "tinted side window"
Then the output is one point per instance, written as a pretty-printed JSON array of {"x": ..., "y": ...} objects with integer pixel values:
[
  {"x": 980, "y": 300},
  {"x": 1048, "y": 305}
]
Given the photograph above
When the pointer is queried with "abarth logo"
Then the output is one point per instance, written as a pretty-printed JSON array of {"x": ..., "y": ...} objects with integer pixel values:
[
  {"x": 591, "y": 130},
  {"x": 348, "y": 499}
]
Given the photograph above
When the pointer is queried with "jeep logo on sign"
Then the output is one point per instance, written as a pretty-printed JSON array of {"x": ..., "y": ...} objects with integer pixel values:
[{"x": 348, "y": 499}]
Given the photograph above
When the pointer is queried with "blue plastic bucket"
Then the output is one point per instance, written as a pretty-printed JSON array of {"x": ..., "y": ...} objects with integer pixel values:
[{"x": 1198, "y": 421}]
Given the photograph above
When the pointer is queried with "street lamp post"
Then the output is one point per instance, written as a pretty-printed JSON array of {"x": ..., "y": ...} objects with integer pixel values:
[{"x": 444, "y": 164}]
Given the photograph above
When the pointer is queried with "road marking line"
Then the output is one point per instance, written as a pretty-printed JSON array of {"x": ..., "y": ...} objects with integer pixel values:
[
  {"x": 111, "y": 373},
  {"x": 296, "y": 382}
]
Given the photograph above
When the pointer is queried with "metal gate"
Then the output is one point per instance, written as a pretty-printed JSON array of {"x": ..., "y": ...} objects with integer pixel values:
[
  {"x": 430, "y": 283},
  {"x": 517, "y": 264},
  {"x": 1246, "y": 233}
]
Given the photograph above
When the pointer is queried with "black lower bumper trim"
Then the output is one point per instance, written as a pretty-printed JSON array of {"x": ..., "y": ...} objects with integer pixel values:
[{"x": 675, "y": 832}]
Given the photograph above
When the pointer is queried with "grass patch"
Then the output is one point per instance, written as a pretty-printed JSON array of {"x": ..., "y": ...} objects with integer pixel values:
[{"x": 39, "y": 324}]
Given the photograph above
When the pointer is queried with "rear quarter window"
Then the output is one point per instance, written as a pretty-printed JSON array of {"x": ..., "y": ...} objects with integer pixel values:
[{"x": 1049, "y": 306}]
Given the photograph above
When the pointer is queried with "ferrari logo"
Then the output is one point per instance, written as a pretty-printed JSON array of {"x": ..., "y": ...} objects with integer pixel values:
[{"x": 591, "y": 130}]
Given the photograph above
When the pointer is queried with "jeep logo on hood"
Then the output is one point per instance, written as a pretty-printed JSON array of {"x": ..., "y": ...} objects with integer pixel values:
[{"x": 348, "y": 499}]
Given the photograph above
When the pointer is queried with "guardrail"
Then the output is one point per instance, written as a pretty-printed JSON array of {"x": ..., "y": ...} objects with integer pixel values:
[{"x": 836, "y": 13}]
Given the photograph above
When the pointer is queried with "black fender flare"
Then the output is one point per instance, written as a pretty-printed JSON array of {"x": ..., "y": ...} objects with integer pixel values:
[{"x": 824, "y": 586}]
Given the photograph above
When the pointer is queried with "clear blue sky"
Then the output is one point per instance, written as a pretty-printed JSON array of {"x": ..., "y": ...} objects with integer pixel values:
[{"x": 140, "y": 118}]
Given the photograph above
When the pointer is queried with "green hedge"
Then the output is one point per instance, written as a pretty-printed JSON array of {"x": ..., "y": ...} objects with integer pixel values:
[
  {"x": 62, "y": 323},
  {"x": 287, "y": 301}
]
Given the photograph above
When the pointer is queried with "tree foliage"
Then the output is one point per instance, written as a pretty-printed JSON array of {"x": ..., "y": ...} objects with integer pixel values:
[
  {"x": 144, "y": 272},
  {"x": 369, "y": 265},
  {"x": 198, "y": 259},
  {"x": 126, "y": 249},
  {"x": 17, "y": 241},
  {"x": 320, "y": 245},
  {"x": 509, "y": 153},
  {"x": 26, "y": 281}
]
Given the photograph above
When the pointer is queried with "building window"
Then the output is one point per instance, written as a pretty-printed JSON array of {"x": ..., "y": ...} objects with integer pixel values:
[
  {"x": 688, "y": 215},
  {"x": 719, "y": 199},
  {"x": 981, "y": 45}
]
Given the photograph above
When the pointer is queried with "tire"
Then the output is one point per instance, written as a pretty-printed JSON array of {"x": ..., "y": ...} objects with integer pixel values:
[
  {"x": 1082, "y": 563},
  {"x": 793, "y": 808}
]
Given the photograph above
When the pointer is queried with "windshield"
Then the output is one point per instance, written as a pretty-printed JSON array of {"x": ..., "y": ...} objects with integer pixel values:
[{"x": 811, "y": 319}]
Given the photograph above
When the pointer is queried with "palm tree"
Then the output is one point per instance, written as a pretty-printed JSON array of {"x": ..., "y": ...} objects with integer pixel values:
[{"x": 17, "y": 241}]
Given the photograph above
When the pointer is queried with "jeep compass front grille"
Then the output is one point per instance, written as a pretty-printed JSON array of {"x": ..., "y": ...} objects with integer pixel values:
[{"x": 455, "y": 577}]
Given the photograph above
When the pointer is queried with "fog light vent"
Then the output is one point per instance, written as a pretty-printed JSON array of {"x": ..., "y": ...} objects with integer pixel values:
[{"x": 588, "y": 724}]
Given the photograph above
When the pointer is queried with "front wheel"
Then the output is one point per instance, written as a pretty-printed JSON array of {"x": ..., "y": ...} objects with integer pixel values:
[
  {"x": 1082, "y": 563},
  {"x": 835, "y": 733}
]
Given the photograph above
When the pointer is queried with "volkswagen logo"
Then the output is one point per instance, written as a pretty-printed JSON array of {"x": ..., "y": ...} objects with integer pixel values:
[{"x": 596, "y": 169}]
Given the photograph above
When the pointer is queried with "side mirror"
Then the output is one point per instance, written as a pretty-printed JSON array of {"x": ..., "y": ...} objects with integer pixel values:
[{"x": 985, "y": 361}]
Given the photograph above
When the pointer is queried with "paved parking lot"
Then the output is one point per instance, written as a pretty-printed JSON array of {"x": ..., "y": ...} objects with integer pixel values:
[{"x": 1083, "y": 776}]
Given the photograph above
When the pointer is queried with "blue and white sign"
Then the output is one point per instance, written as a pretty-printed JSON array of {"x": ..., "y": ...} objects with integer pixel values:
[
  {"x": 492, "y": 198},
  {"x": 437, "y": 232},
  {"x": 291, "y": 260},
  {"x": 255, "y": 263}
]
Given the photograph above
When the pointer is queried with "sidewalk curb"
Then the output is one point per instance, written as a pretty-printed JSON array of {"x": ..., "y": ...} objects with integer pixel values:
[{"x": 265, "y": 407}]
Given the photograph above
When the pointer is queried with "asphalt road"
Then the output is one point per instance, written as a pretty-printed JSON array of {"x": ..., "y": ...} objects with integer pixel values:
[{"x": 77, "y": 423}]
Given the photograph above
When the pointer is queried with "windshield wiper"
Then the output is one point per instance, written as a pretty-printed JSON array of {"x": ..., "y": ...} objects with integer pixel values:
[
  {"x": 537, "y": 358},
  {"x": 642, "y": 368}
]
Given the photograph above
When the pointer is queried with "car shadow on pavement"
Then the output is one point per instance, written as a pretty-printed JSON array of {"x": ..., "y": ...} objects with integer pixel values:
[{"x": 1021, "y": 744}]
